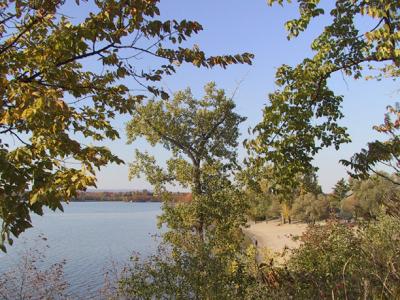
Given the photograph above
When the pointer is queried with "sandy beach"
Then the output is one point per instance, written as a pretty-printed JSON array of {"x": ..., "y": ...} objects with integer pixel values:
[{"x": 274, "y": 236}]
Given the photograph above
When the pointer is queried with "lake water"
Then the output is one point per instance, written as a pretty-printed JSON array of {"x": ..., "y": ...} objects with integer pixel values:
[{"x": 89, "y": 235}]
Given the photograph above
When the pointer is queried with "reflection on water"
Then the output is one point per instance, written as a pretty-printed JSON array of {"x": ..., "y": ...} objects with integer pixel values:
[{"x": 89, "y": 235}]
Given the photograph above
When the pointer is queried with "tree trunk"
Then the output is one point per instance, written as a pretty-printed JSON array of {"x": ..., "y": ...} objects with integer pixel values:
[{"x": 197, "y": 191}]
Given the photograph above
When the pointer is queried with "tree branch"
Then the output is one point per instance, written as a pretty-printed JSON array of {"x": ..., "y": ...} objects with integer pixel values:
[{"x": 74, "y": 58}]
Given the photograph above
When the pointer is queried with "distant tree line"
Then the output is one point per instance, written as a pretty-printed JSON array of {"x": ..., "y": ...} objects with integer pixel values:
[
  {"x": 349, "y": 200},
  {"x": 131, "y": 196}
]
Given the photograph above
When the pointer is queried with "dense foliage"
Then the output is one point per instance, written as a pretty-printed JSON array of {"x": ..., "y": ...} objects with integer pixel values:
[
  {"x": 336, "y": 261},
  {"x": 356, "y": 199},
  {"x": 371, "y": 196}
]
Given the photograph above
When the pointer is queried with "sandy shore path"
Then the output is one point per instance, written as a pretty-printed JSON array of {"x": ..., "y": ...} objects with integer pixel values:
[{"x": 275, "y": 236}]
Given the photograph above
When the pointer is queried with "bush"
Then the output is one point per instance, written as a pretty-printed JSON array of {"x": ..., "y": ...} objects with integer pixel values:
[
  {"x": 337, "y": 261},
  {"x": 29, "y": 280},
  {"x": 324, "y": 266},
  {"x": 380, "y": 253},
  {"x": 178, "y": 275}
]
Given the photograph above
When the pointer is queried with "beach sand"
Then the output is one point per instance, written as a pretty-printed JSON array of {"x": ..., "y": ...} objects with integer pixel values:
[{"x": 274, "y": 236}]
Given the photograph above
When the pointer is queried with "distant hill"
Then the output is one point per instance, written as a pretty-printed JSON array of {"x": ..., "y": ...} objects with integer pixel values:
[{"x": 129, "y": 196}]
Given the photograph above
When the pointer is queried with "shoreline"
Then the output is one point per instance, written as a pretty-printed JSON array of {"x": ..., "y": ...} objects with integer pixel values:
[{"x": 136, "y": 201}]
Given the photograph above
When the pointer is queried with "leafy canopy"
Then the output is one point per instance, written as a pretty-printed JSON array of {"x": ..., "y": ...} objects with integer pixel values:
[
  {"x": 340, "y": 190},
  {"x": 303, "y": 113},
  {"x": 51, "y": 99},
  {"x": 201, "y": 134},
  {"x": 202, "y": 137}
]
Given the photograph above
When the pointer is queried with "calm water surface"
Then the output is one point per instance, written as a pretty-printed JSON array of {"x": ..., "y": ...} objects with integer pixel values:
[{"x": 88, "y": 235}]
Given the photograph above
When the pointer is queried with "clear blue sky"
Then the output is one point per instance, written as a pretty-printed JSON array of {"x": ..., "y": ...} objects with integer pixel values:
[{"x": 234, "y": 26}]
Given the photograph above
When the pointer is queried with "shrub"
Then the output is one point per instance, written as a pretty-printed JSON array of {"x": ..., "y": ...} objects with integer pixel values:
[
  {"x": 28, "y": 279},
  {"x": 337, "y": 261}
]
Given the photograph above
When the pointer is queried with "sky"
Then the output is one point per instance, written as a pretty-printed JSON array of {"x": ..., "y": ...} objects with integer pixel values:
[{"x": 235, "y": 26}]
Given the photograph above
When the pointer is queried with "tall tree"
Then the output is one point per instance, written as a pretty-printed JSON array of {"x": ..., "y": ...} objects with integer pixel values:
[
  {"x": 303, "y": 113},
  {"x": 201, "y": 134},
  {"x": 50, "y": 96},
  {"x": 340, "y": 192},
  {"x": 203, "y": 235}
]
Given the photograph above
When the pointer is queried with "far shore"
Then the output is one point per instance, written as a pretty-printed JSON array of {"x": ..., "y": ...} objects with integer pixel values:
[
  {"x": 128, "y": 196},
  {"x": 119, "y": 200}
]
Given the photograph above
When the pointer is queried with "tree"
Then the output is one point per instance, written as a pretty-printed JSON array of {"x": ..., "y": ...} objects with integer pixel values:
[
  {"x": 275, "y": 209},
  {"x": 51, "y": 99},
  {"x": 311, "y": 208},
  {"x": 266, "y": 198},
  {"x": 309, "y": 183},
  {"x": 202, "y": 135},
  {"x": 340, "y": 192},
  {"x": 374, "y": 195},
  {"x": 308, "y": 195},
  {"x": 202, "y": 257},
  {"x": 382, "y": 153},
  {"x": 341, "y": 189},
  {"x": 258, "y": 192},
  {"x": 303, "y": 113}
]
